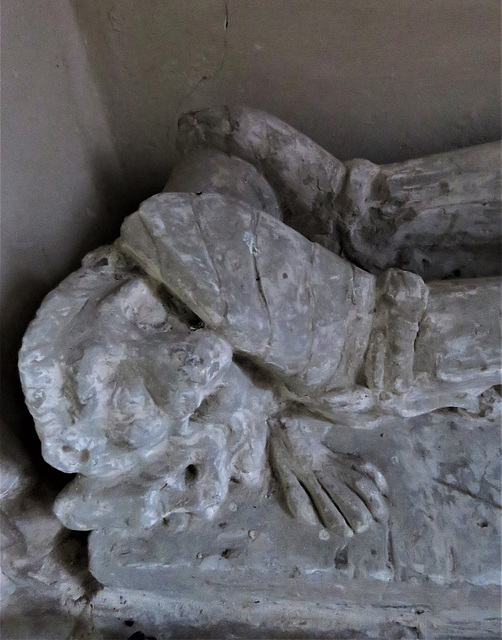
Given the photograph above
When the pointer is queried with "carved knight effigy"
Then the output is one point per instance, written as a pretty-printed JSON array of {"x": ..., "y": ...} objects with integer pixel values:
[{"x": 281, "y": 351}]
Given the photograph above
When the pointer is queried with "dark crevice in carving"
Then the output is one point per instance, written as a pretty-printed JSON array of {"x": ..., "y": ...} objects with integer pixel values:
[
  {"x": 191, "y": 475},
  {"x": 391, "y": 554},
  {"x": 338, "y": 509},
  {"x": 312, "y": 502},
  {"x": 261, "y": 292},
  {"x": 466, "y": 492}
]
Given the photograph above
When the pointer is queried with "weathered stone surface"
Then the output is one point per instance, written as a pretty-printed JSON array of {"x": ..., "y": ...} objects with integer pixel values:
[
  {"x": 437, "y": 216},
  {"x": 263, "y": 286},
  {"x": 44, "y": 581},
  {"x": 305, "y": 176},
  {"x": 151, "y": 413},
  {"x": 439, "y": 523},
  {"x": 212, "y": 171},
  {"x": 252, "y": 416},
  {"x": 320, "y": 324}
]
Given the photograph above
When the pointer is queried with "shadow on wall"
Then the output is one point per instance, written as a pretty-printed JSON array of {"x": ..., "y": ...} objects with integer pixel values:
[
  {"x": 25, "y": 290},
  {"x": 384, "y": 80},
  {"x": 63, "y": 191}
]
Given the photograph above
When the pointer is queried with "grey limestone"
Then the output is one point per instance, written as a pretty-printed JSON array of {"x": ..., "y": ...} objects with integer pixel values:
[{"x": 279, "y": 389}]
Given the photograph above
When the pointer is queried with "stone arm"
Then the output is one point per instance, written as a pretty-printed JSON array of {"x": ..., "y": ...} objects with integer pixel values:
[
  {"x": 305, "y": 177},
  {"x": 341, "y": 491},
  {"x": 341, "y": 340},
  {"x": 349, "y": 346},
  {"x": 437, "y": 216}
]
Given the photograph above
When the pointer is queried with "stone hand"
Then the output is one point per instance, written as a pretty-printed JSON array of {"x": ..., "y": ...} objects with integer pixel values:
[{"x": 339, "y": 491}]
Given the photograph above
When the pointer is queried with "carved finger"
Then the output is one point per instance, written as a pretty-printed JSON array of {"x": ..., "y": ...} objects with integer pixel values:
[
  {"x": 350, "y": 505},
  {"x": 297, "y": 499},
  {"x": 377, "y": 476},
  {"x": 372, "y": 498},
  {"x": 329, "y": 513}
]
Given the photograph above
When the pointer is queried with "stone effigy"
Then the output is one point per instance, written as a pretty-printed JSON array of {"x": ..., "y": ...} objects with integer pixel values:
[{"x": 255, "y": 384}]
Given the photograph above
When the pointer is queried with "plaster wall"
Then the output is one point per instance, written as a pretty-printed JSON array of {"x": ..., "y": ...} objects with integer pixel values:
[{"x": 92, "y": 90}]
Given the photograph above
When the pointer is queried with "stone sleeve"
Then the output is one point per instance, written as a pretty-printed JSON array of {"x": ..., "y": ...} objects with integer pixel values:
[{"x": 275, "y": 296}]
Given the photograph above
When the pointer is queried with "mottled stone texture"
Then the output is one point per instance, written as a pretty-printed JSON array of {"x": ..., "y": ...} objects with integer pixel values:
[
  {"x": 266, "y": 388},
  {"x": 437, "y": 216}
]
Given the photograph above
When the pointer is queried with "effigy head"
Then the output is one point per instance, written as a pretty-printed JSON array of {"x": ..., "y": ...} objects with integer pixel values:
[{"x": 132, "y": 398}]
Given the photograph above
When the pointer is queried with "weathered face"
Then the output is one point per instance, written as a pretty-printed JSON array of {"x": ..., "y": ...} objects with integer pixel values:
[
  {"x": 125, "y": 393},
  {"x": 133, "y": 374}
]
